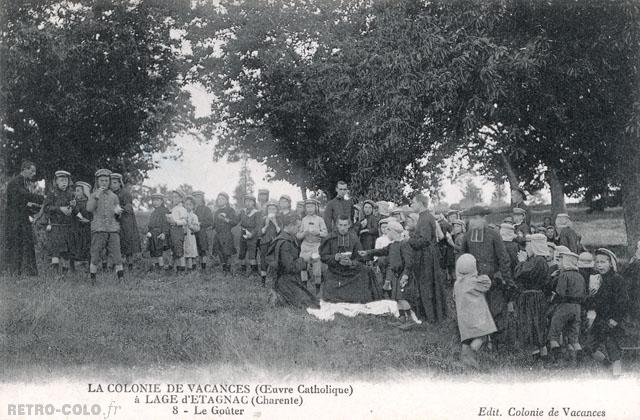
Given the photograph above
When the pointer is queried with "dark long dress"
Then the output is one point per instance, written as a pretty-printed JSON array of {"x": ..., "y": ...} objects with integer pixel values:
[
  {"x": 532, "y": 278},
  {"x": 631, "y": 276},
  {"x": 20, "y": 250},
  {"x": 129, "y": 234},
  {"x": 81, "y": 232},
  {"x": 158, "y": 224},
  {"x": 370, "y": 234},
  {"x": 203, "y": 236},
  {"x": 59, "y": 238},
  {"x": 430, "y": 280},
  {"x": 355, "y": 283},
  {"x": 284, "y": 251},
  {"x": 223, "y": 241}
]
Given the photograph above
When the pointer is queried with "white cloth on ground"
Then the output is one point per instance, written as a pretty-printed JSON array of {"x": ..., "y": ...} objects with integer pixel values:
[{"x": 328, "y": 310}]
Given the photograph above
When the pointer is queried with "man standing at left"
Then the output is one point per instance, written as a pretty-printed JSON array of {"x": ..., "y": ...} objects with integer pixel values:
[{"x": 21, "y": 202}]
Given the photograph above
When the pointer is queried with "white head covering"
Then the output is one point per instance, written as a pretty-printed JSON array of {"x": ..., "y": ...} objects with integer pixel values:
[
  {"x": 538, "y": 244},
  {"x": 466, "y": 266},
  {"x": 563, "y": 221},
  {"x": 507, "y": 232}
]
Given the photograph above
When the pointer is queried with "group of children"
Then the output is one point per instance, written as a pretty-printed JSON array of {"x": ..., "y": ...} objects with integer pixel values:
[{"x": 513, "y": 283}]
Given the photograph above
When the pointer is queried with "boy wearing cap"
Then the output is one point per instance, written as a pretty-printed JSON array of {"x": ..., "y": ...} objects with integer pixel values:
[
  {"x": 129, "y": 234},
  {"x": 158, "y": 231},
  {"x": 224, "y": 219},
  {"x": 566, "y": 235},
  {"x": 519, "y": 221},
  {"x": 263, "y": 199},
  {"x": 518, "y": 197},
  {"x": 81, "y": 224},
  {"x": 58, "y": 206},
  {"x": 312, "y": 232},
  {"x": 177, "y": 220},
  {"x": 268, "y": 233},
  {"x": 205, "y": 235},
  {"x": 250, "y": 222},
  {"x": 569, "y": 294},
  {"x": 105, "y": 228}
]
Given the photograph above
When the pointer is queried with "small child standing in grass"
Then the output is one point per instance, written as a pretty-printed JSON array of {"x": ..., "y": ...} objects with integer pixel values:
[
  {"x": 178, "y": 220},
  {"x": 606, "y": 309},
  {"x": 59, "y": 207},
  {"x": 224, "y": 219},
  {"x": 81, "y": 225},
  {"x": 475, "y": 322},
  {"x": 158, "y": 231},
  {"x": 250, "y": 222},
  {"x": 105, "y": 228},
  {"x": 569, "y": 294},
  {"x": 312, "y": 231},
  {"x": 268, "y": 233},
  {"x": 191, "y": 227}
]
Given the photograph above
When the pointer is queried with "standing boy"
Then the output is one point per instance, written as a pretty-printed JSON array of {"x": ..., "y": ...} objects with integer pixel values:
[
  {"x": 105, "y": 229},
  {"x": 129, "y": 234},
  {"x": 205, "y": 235},
  {"x": 59, "y": 207},
  {"x": 158, "y": 231}
]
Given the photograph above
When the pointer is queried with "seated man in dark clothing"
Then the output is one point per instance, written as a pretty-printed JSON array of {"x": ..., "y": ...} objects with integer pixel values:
[{"x": 347, "y": 279}]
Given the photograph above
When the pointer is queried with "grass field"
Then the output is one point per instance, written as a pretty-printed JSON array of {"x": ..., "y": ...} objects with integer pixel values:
[{"x": 226, "y": 324}]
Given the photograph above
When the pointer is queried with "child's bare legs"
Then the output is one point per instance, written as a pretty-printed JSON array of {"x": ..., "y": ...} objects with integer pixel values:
[{"x": 316, "y": 270}]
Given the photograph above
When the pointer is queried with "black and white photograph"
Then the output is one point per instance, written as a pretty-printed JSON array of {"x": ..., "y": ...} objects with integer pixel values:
[{"x": 331, "y": 209}]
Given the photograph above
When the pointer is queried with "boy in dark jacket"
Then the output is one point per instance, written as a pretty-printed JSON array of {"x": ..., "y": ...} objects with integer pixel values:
[
  {"x": 250, "y": 222},
  {"x": 569, "y": 294},
  {"x": 268, "y": 233},
  {"x": 205, "y": 235}
]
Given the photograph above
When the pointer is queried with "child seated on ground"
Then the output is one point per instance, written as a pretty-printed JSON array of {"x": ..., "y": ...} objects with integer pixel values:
[
  {"x": 569, "y": 294},
  {"x": 474, "y": 317}
]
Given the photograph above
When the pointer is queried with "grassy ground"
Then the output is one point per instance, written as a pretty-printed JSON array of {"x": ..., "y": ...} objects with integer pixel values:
[
  {"x": 225, "y": 323},
  {"x": 155, "y": 323}
]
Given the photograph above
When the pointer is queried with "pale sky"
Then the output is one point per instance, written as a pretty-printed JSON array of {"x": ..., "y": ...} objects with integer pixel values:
[{"x": 198, "y": 168}]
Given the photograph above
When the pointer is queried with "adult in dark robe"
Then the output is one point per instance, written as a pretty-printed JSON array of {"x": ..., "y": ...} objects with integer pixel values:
[
  {"x": 518, "y": 198},
  {"x": 338, "y": 206},
  {"x": 284, "y": 254},
  {"x": 431, "y": 303},
  {"x": 347, "y": 279},
  {"x": 224, "y": 219},
  {"x": 129, "y": 234},
  {"x": 487, "y": 247},
  {"x": 21, "y": 202}
]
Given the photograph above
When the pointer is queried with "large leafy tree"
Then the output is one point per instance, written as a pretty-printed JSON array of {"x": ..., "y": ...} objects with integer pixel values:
[{"x": 91, "y": 84}]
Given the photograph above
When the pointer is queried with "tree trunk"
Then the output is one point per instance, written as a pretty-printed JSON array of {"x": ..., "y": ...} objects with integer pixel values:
[
  {"x": 630, "y": 190},
  {"x": 557, "y": 193},
  {"x": 4, "y": 178},
  {"x": 303, "y": 191},
  {"x": 512, "y": 177}
]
